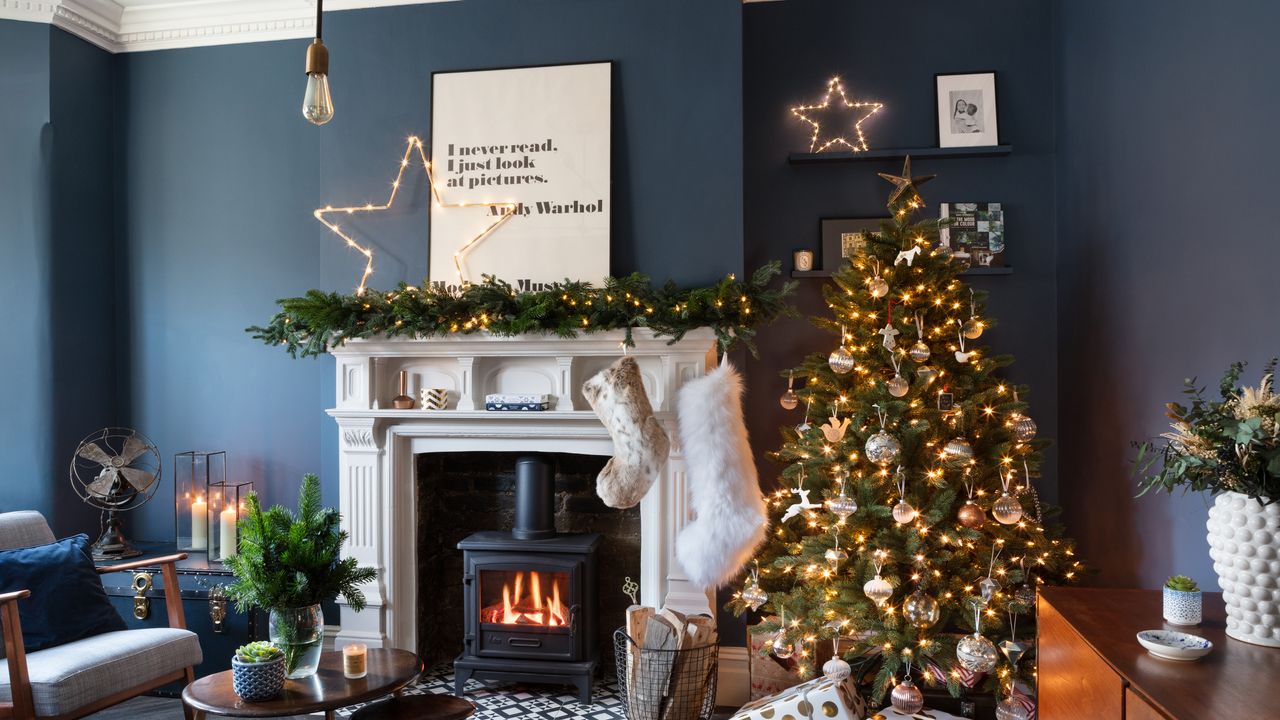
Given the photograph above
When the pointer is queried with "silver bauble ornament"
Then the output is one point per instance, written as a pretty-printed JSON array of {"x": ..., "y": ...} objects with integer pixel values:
[
  {"x": 842, "y": 506},
  {"x": 920, "y": 610},
  {"x": 918, "y": 352},
  {"x": 837, "y": 669},
  {"x": 841, "y": 360},
  {"x": 972, "y": 329},
  {"x": 906, "y": 698},
  {"x": 1007, "y": 509},
  {"x": 897, "y": 385},
  {"x": 835, "y": 556},
  {"x": 976, "y": 653},
  {"x": 882, "y": 448},
  {"x": 903, "y": 513},
  {"x": 1010, "y": 709},
  {"x": 1025, "y": 595},
  {"x": 878, "y": 287},
  {"x": 789, "y": 401},
  {"x": 754, "y": 595},
  {"x": 1024, "y": 428},
  {"x": 926, "y": 374},
  {"x": 878, "y": 589},
  {"x": 970, "y": 515},
  {"x": 958, "y": 451},
  {"x": 781, "y": 648},
  {"x": 988, "y": 587}
]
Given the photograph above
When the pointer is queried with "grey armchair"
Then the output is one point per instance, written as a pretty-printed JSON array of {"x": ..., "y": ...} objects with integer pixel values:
[{"x": 85, "y": 676}]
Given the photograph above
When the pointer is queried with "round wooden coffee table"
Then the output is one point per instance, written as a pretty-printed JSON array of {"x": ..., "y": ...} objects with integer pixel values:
[{"x": 326, "y": 691}]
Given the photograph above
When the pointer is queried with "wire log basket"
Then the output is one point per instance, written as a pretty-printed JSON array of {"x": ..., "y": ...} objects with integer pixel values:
[{"x": 666, "y": 684}]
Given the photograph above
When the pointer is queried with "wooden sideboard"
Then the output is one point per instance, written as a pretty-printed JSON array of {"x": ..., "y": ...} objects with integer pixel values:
[{"x": 1091, "y": 665}]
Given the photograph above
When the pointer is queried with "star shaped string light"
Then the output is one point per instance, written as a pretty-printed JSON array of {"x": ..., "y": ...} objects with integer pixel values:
[
  {"x": 413, "y": 144},
  {"x": 904, "y": 182},
  {"x": 861, "y": 110}
]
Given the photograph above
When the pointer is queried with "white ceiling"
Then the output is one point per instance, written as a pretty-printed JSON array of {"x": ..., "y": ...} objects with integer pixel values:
[{"x": 134, "y": 25}]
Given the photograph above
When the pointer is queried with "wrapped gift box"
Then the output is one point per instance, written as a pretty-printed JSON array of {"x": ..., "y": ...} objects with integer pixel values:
[{"x": 819, "y": 699}]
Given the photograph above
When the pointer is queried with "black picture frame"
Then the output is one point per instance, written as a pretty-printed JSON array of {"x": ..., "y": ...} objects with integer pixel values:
[
  {"x": 987, "y": 139},
  {"x": 832, "y": 232}
]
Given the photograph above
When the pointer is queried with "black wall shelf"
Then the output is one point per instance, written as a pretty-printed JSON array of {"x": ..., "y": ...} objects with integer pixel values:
[
  {"x": 899, "y": 153},
  {"x": 800, "y": 274}
]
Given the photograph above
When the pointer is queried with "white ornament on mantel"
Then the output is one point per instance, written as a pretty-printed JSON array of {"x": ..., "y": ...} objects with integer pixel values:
[{"x": 1243, "y": 544}]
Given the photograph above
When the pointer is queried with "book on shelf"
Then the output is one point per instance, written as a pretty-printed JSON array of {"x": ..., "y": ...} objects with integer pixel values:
[{"x": 975, "y": 232}]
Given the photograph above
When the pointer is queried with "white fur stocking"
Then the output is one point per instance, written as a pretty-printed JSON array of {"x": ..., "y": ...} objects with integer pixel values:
[
  {"x": 730, "y": 511},
  {"x": 640, "y": 445}
]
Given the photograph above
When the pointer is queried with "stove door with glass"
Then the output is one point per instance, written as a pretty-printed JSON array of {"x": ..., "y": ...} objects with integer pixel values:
[{"x": 523, "y": 605}]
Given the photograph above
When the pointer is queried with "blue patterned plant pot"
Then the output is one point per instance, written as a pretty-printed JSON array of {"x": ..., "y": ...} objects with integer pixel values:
[
  {"x": 256, "y": 682},
  {"x": 1181, "y": 607}
]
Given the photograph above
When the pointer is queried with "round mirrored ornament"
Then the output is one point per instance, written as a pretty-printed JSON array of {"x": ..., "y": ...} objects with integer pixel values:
[
  {"x": 926, "y": 374},
  {"x": 882, "y": 448},
  {"x": 754, "y": 595},
  {"x": 903, "y": 512},
  {"x": 842, "y": 506},
  {"x": 1010, "y": 709},
  {"x": 975, "y": 653},
  {"x": 841, "y": 360},
  {"x": 878, "y": 287},
  {"x": 972, "y": 328},
  {"x": 781, "y": 648},
  {"x": 921, "y": 610},
  {"x": 958, "y": 451},
  {"x": 878, "y": 589},
  {"x": 837, "y": 669},
  {"x": 1007, "y": 509},
  {"x": 789, "y": 400},
  {"x": 970, "y": 515},
  {"x": 1024, "y": 428},
  {"x": 918, "y": 352},
  {"x": 906, "y": 698},
  {"x": 834, "y": 557},
  {"x": 897, "y": 385}
]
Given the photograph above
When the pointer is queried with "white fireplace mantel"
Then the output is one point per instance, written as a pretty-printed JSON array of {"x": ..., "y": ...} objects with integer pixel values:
[{"x": 377, "y": 493}]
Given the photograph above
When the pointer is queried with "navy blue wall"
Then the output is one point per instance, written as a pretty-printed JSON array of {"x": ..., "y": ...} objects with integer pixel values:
[
  {"x": 221, "y": 174},
  {"x": 1167, "y": 250}
]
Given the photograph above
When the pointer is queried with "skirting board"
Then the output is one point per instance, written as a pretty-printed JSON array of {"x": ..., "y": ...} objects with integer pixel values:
[{"x": 733, "y": 688}]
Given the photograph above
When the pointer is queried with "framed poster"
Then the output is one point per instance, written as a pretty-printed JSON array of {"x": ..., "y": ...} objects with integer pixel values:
[
  {"x": 967, "y": 110},
  {"x": 843, "y": 238},
  {"x": 535, "y": 142}
]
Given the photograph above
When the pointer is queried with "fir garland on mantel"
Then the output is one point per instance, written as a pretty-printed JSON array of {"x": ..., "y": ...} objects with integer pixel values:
[{"x": 311, "y": 324}]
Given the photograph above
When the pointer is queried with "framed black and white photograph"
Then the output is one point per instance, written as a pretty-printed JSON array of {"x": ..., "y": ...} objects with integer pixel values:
[
  {"x": 532, "y": 141},
  {"x": 845, "y": 238},
  {"x": 967, "y": 110}
]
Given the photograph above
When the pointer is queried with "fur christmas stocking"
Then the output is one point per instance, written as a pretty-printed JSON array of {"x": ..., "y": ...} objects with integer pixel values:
[
  {"x": 640, "y": 445},
  {"x": 730, "y": 512}
]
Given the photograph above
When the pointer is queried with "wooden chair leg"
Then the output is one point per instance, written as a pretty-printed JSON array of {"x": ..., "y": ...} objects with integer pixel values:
[{"x": 189, "y": 712}]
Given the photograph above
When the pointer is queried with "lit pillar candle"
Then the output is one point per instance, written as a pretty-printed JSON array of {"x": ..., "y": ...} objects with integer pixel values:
[
  {"x": 353, "y": 660},
  {"x": 227, "y": 532},
  {"x": 199, "y": 523}
]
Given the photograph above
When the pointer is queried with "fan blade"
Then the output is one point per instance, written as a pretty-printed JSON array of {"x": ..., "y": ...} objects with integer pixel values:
[
  {"x": 133, "y": 447},
  {"x": 139, "y": 479},
  {"x": 90, "y": 451},
  {"x": 101, "y": 488}
]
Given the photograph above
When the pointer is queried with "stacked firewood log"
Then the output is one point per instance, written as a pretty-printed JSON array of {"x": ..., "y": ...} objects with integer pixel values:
[{"x": 662, "y": 681}]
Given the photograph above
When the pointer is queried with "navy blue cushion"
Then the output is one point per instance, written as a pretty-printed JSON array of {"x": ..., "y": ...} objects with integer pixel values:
[{"x": 67, "y": 601}]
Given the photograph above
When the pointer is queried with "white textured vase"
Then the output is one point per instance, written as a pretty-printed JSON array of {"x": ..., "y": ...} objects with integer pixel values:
[{"x": 1244, "y": 542}]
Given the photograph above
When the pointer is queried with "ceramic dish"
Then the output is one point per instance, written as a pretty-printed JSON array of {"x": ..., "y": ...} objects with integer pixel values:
[{"x": 1173, "y": 645}]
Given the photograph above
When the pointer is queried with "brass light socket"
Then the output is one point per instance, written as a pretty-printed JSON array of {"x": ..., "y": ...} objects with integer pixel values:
[{"x": 317, "y": 58}]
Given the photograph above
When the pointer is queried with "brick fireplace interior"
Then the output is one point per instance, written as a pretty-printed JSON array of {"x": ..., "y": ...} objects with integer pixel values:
[{"x": 463, "y": 493}]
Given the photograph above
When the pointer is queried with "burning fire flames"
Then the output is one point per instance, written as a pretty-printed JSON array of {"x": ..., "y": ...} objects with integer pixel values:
[{"x": 531, "y": 607}]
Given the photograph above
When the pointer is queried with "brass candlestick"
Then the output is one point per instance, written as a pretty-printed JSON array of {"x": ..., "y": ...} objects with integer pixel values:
[{"x": 403, "y": 401}]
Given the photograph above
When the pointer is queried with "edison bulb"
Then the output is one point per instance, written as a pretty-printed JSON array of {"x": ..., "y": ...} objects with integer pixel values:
[{"x": 317, "y": 103}]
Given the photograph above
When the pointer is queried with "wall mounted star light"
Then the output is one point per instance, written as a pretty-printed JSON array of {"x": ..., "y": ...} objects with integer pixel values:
[
  {"x": 848, "y": 114},
  {"x": 459, "y": 257}
]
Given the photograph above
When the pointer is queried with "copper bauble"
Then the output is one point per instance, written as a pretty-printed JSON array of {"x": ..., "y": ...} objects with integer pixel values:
[
  {"x": 878, "y": 287},
  {"x": 789, "y": 400},
  {"x": 970, "y": 515},
  {"x": 972, "y": 329},
  {"x": 906, "y": 698}
]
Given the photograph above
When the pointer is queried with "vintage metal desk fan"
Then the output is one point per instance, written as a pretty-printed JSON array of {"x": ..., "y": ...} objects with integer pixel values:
[{"x": 115, "y": 470}]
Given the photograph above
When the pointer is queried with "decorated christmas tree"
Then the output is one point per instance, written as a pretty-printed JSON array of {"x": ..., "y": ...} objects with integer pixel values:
[{"x": 907, "y": 528}]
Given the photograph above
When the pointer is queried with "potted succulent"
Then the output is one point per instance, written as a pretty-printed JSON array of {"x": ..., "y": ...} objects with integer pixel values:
[
  {"x": 290, "y": 563},
  {"x": 1230, "y": 447},
  {"x": 1183, "y": 602},
  {"x": 257, "y": 671}
]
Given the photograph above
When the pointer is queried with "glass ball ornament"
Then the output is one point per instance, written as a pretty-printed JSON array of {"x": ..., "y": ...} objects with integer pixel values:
[
  {"x": 958, "y": 451},
  {"x": 926, "y": 374},
  {"x": 1024, "y": 428},
  {"x": 903, "y": 513},
  {"x": 897, "y": 385},
  {"x": 970, "y": 515},
  {"x": 878, "y": 589},
  {"x": 921, "y": 610},
  {"x": 1010, "y": 709},
  {"x": 841, "y": 360},
  {"x": 906, "y": 698},
  {"x": 883, "y": 448},
  {"x": 789, "y": 400},
  {"x": 972, "y": 328},
  {"x": 835, "y": 556},
  {"x": 1025, "y": 594},
  {"x": 781, "y": 648},
  {"x": 837, "y": 669},
  {"x": 754, "y": 595},
  {"x": 975, "y": 653},
  {"x": 1007, "y": 510},
  {"x": 878, "y": 287},
  {"x": 918, "y": 352},
  {"x": 842, "y": 506},
  {"x": 988, "y": 587}
]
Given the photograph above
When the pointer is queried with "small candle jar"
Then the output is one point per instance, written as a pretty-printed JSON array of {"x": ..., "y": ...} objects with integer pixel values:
[
  {"x": 804, "y": 260},
  {"x": 353, "y": 661}
]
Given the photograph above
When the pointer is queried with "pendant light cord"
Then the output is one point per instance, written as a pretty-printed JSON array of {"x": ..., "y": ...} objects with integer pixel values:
[{"x": 319, "y": 19}]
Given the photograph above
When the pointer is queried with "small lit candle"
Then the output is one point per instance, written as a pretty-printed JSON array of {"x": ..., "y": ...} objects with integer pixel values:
[
  {"x": 227, "y": 532},
  {"x": 199, "y": 523},
  {"x": 353, "y": 660}
]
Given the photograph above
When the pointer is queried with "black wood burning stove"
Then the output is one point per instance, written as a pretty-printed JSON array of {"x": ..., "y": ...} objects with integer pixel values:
[{"x": 531, "y": 595}]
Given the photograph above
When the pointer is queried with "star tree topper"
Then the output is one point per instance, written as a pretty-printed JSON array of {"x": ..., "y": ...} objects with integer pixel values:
[
  {"x": 905, "y": 182},
  {"x": 847, "y": 113}
]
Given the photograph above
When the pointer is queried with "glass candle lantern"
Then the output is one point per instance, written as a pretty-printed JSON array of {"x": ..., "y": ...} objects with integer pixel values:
[
  {"x": 193, "y": 472},
  {"x": 226, "y": 504}
]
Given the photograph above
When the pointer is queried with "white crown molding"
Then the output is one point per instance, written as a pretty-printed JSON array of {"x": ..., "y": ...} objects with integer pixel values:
[{"x": 132, "y": 26}]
